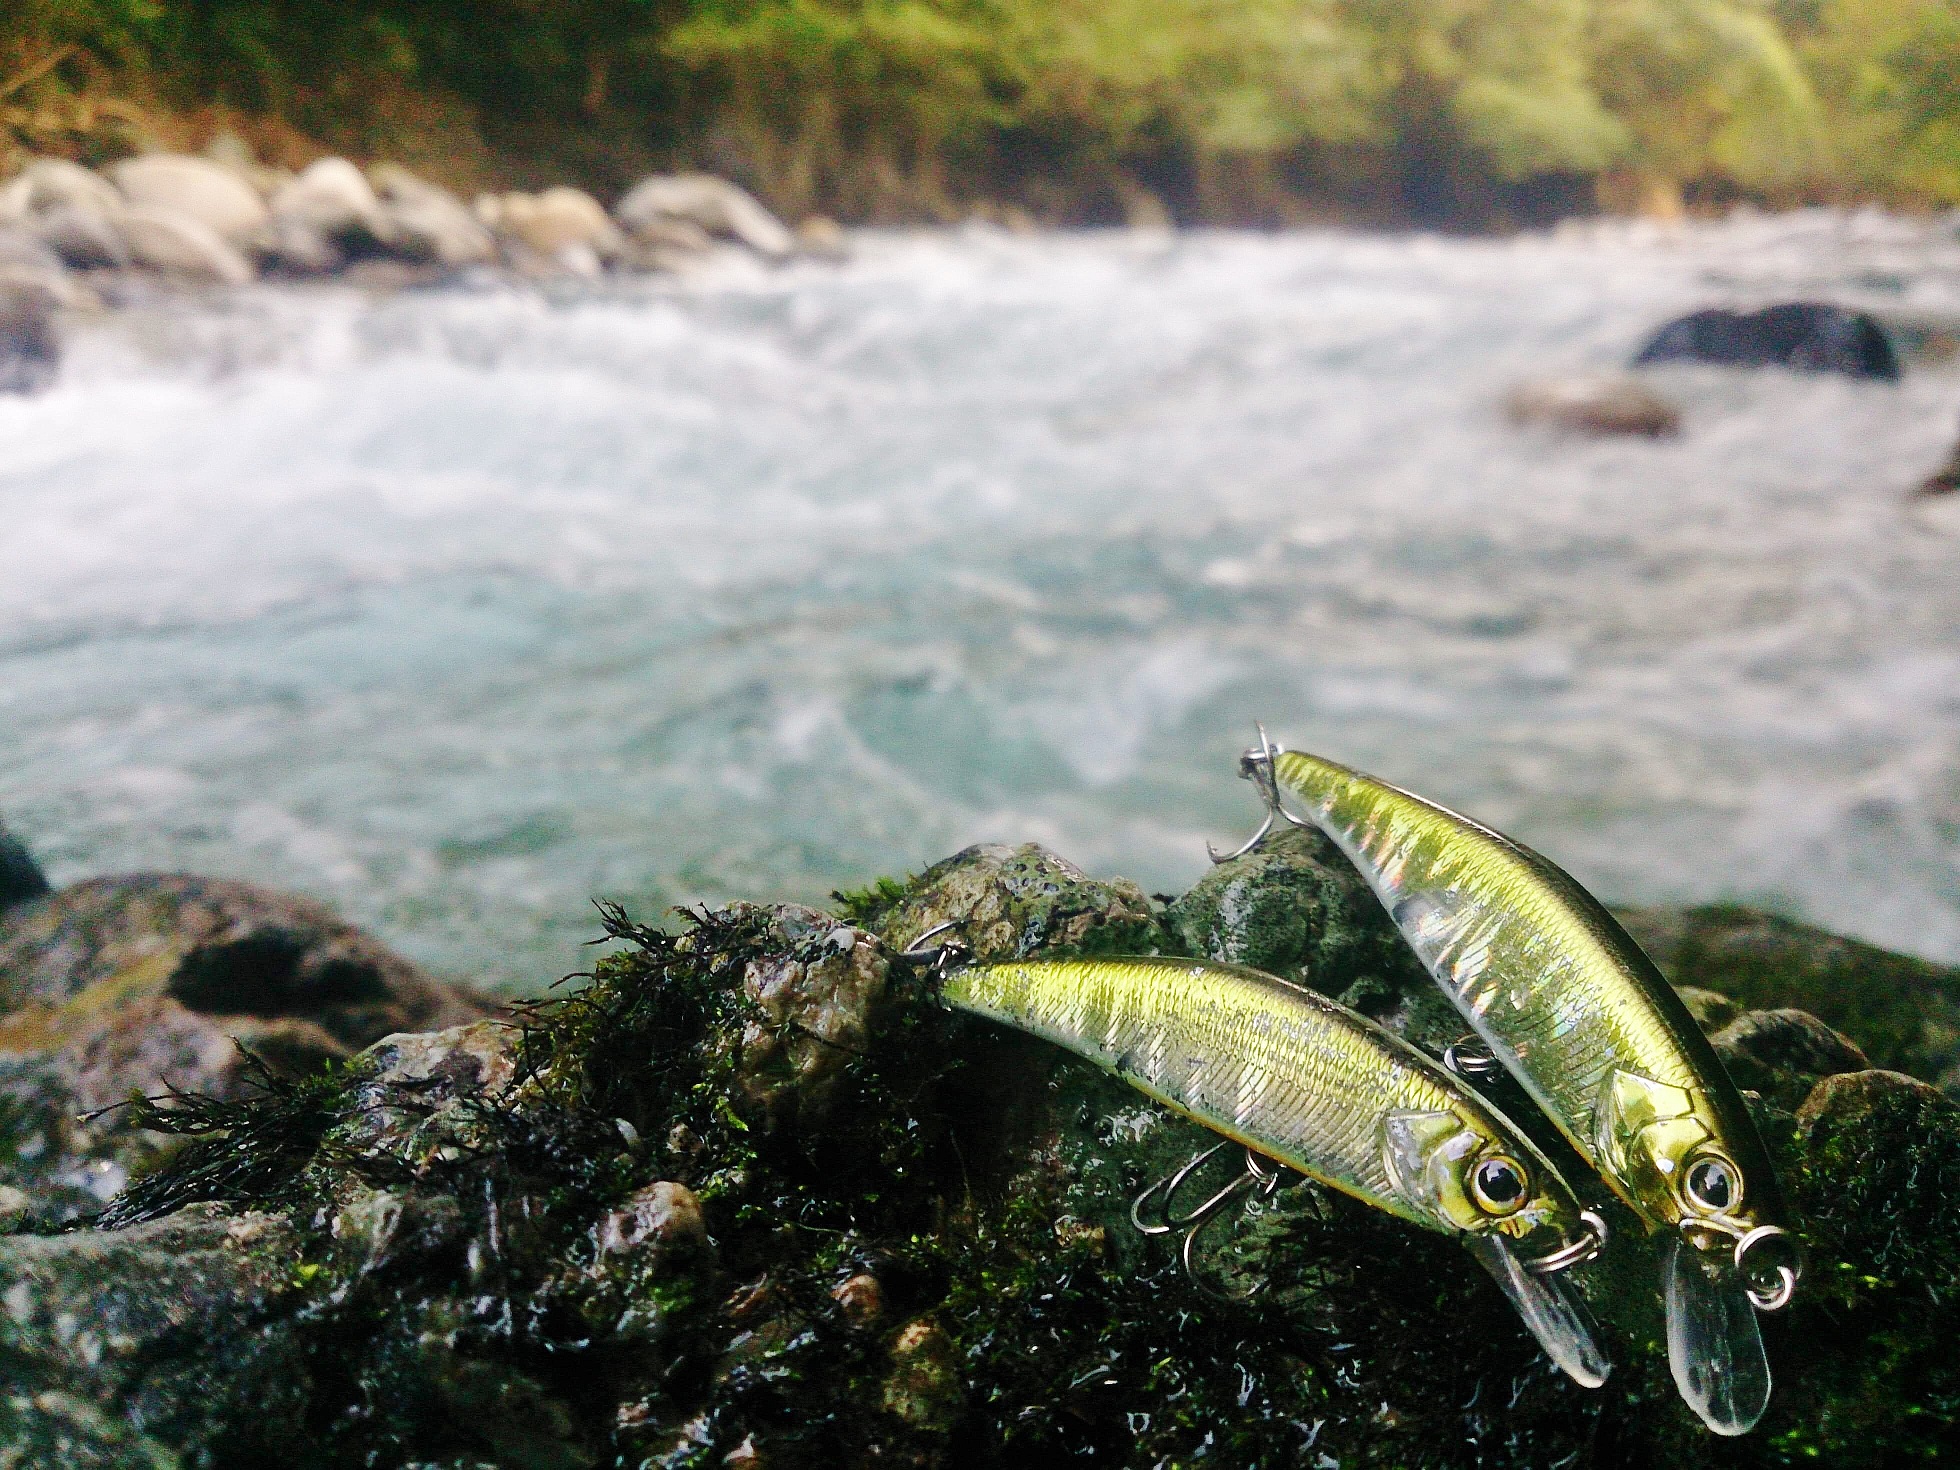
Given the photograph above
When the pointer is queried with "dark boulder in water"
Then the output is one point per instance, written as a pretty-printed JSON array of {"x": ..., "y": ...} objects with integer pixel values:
[
  {"x": 1809, "y": 336},
  {"x": 20, "y": 877}
]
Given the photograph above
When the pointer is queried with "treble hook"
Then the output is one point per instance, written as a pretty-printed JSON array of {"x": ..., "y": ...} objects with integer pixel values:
[
  {"x": 1260, "y": 1175},
  {"x": 938, "y": 958},
  {"x": 1256, "y": 766}
]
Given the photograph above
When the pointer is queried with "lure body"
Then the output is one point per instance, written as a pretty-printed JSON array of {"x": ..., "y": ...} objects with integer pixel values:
[
  {"x": 1303, "y": 1080},
  {"x": 1560, "y": 994}
]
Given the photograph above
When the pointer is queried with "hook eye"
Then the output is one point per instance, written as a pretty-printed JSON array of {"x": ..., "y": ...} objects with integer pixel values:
[
  {"x": 1787, "y": 1271},
  {"x": 1592, "y": 1240},
  {"x": 1256, "y": 766}
]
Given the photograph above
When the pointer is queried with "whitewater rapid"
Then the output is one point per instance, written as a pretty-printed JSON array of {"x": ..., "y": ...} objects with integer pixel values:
[{"x": 460, "y": 607}]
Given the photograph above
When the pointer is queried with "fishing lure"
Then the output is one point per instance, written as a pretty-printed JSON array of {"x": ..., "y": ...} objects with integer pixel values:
[
  {"x": 1564, "y": 999},
  {"x": 1299, "y": 1079}
]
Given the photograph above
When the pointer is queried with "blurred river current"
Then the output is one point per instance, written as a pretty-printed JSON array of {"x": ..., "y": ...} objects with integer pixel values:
[{"x": 459, "y": 607}]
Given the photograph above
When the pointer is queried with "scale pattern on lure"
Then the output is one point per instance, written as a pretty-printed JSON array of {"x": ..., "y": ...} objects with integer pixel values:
[
  {"x": 1302, "y": 1080},
  {"x": 1566, "y": 1001}
]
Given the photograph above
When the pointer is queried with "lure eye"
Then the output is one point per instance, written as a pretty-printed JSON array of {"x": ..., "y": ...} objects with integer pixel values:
[
  {"x": 1712, "y": 1184},
  {"x": 1499, "y": 1186}
]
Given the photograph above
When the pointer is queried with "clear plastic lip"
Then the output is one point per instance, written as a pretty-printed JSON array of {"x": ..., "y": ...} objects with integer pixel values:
[{"x": 1550, "y": 1306}]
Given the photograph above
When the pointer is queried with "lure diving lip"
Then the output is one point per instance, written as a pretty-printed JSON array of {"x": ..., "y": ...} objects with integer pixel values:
[
  {"x": 1565, "y": 1000},
  {"x": 1303, "y": 1080}
]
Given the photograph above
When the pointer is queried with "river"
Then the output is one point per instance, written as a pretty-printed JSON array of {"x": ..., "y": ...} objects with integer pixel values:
[{"x": 459, "y": 607}]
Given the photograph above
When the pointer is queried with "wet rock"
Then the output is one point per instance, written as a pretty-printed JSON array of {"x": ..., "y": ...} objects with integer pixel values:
[
  {"x": 20, "y": 877},
  {"x": 1806, "y": 335},
  {"x": 711, "y": 204},
  {"x": 1903, "y": 1012},
  {"x": 110, "y": 1341},
  {"x": 291, "y": 246},
  {"x": 1711, "y": 1009},
  {"x": 125, "y": 986},
  {"x": 1012, "y": 901},
  {"x": 30, "y": 349},
  {"x": 1782, "y": 1053},
  {"x": 1594, "y": 405},
  {"x": 924, "y": 1389},
  {"x": 1298, "y": 909},
  {"x": 181, "y": 248},
  {"x": 195, "y": 189},
  {"x": 425, "y": 222},
  {"x": 576, "y": 1240},
  {"x": 816, "y": 995}
]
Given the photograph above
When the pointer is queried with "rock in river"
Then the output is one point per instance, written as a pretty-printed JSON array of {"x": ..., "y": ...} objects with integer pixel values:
[
  {"x": 20, "y": 876},
  {"x": 129, "y": 985},
  {"x": 1807, "y": 335},
  {"x": 1594, "y": 405},
  {"x": 194, "y": 189},
  {"x": 426, "y": 222},
  {"x": 752, "y": 1197},
  {"x": 710, "y": 204},
  {"x": 180, "y": 247}
]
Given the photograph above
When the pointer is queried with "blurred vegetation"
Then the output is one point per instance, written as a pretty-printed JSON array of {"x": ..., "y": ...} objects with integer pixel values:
[{"x": 1467, "y": 112}]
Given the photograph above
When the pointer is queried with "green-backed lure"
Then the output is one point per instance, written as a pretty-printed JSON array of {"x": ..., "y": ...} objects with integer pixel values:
[
  {"x": 1565, "y": 1000},
  {"x": 1302, "y": 1080}
]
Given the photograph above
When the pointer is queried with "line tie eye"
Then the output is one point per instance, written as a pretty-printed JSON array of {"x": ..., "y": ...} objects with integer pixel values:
[
  {"x": 1712, "y": 1184},
  {"x": 1499, "y": 1186}
]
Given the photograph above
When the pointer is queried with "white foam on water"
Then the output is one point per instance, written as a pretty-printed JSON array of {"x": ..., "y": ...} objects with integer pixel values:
[{"x": 461, "y": 607}]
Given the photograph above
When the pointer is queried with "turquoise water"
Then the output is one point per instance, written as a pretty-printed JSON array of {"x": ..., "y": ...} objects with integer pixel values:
[{"x": 459, "y": 608}]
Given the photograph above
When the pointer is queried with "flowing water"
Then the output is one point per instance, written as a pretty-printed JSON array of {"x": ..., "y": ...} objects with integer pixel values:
[{"x": 460, "y": 607}]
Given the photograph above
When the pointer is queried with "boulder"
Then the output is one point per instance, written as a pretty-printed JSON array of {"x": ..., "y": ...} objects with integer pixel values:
[
  {"x": 1593, "y": 405},
  {"x": 822, "y": 238},
  {"x": 20, "y": 877},
  {"x": 30, "y": 350},
  {"x": 195, "y": 189},
  {"x": 1902, "y": 1012},
  {"x": 55, "y": 183},
  {"x": 121, "y": 986},
  {"x": 561, "y": 224},
  {"x": 182, "y": 248},
  {"x": 575, "y": 1240},
  {"x": 82, "y": 236},
  {"x": 712, "y": 204},
  {"x": 1806, "y": 335},
  {"x": 1008, "y": 902},
  {"x": 291, "y": 246},
  {"x": 1782, "y": 1053},
  {"x": 425, "y": 222},
  {"x": 332, "y": 200}
]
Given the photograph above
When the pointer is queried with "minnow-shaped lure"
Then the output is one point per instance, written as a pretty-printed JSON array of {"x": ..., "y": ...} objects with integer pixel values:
[
  {"x": 1303, "y": 1080},
  {"x": 1565, "y": 1000}
]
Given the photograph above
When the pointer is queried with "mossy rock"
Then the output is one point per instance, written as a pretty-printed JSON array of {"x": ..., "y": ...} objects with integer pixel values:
[
  {"x": 122, "y": 987},
  {"x": 587, "y": 1238},
  {"x": 1902, "y": 1011},
  {"x": 1011, "y": 902}
]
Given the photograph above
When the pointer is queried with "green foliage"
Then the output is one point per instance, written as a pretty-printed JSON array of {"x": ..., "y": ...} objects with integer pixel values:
[{"x": 1224, "y": 108}]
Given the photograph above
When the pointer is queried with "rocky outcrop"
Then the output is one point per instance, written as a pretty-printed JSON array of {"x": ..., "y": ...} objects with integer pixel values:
[
  {"x": 1806, "y": 335},
  {"x": 652, "y": 208},
  {"x": 754, "y": 1198},
  {"x": 127, "y": 986},
  {"x": 1598, "y": 406}
]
